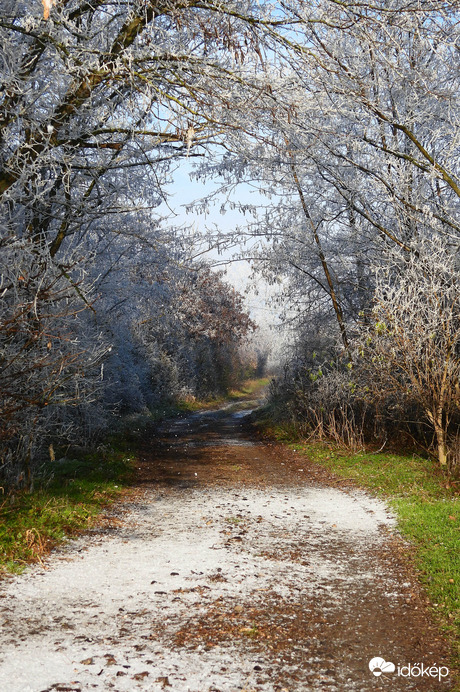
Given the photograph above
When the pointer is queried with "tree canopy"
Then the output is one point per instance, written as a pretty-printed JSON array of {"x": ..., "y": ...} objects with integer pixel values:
[{"x": 343, "y": 114}]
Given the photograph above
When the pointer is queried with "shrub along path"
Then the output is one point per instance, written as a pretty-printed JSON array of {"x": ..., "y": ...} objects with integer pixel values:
[{"x": 237, "y": 565}]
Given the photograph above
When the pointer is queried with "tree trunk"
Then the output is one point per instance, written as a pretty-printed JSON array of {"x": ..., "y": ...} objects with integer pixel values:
[
  {"x": 441, "y": 441},
  {"x": 335, "y": 301}
]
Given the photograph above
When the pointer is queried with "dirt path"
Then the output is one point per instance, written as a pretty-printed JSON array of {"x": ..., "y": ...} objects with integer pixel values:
[{"x": 237, "y": 566}]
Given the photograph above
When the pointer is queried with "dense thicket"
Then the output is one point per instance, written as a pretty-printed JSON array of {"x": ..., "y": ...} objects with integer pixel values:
[
  {"x": 345, "y": 115},
  {"x": 103, "y": 308}
]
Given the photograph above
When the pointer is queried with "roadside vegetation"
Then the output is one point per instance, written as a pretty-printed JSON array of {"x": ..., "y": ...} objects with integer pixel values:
[
  {"x": 248, "y": 391},
  {"x": 69, "y": 496},
  {"x": 426, "y": 503}
]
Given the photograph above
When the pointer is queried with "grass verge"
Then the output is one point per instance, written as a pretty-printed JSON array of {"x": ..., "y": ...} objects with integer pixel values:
[
  {"x": 71, "y": 492},
  {"x": 427, "y": 507},
  {"x": 249, "y": 390},
  {"x": 68, "y": 496}
]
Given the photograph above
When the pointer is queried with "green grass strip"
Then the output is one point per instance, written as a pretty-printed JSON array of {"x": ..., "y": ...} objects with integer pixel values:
[{"x": 69, "y": 494}]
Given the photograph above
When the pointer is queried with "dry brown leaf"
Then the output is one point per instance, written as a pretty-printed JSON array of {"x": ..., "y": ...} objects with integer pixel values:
[{"x": 46, "y": 8}]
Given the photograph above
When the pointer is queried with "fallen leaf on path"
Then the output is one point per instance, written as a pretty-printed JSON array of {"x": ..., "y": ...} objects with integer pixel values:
[{"x": 164, "y": 681}]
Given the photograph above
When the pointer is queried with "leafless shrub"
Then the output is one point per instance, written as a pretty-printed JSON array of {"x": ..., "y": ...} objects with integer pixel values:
[{"x": 410, "y": 345}]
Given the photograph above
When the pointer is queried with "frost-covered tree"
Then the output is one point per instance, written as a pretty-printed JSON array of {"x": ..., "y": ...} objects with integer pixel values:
[
  {"x": 343, "y": 113},
  {"x": 358, "y": 151},
  {"x": 357, "y": 156},
  {"x": 50, "y": 354},
  {"x": 96, "y": 102}
]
